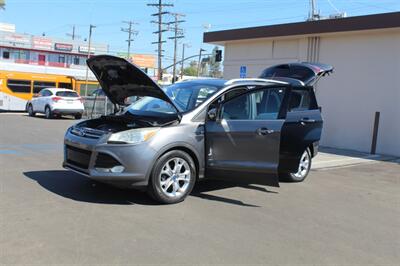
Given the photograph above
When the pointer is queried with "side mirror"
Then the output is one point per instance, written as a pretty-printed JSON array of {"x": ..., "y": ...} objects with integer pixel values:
[{"x": 212, "y": 114}]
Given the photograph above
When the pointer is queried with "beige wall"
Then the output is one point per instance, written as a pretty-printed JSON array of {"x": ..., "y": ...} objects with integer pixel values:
[{"x": 366, "y": 80}]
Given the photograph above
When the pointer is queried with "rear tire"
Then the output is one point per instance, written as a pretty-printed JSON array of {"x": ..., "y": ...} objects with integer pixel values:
[
  {"x": 303, "y": 169},
  {"x": 78, "y": 116},
  {"x": 48, "y": 113},
  {"x": 172, "y": 178},
  {"x": 30, "y": 110}
]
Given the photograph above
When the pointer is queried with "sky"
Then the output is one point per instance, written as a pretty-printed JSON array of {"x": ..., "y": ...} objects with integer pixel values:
[{"x": 55, "y": 18}]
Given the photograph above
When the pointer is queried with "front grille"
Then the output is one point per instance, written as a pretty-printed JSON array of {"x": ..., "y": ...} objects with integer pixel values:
[
  {"x": 78, "y": 157},
  {"x": 106, "y": 161},
  {"x": 87, "y": 132}
]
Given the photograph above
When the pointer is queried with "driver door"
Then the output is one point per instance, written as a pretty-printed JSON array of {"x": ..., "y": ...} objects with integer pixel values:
[{"x": 244, "y": 138}]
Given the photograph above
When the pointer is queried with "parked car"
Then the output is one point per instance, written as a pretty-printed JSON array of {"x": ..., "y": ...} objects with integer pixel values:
[
  {"x": 170, "y": 138},
  {"x": 56, "y": 102}
]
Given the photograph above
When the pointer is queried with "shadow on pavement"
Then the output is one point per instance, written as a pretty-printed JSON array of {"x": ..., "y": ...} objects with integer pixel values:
[
  {"x": 76, "y": 187},
  {"x": 41, "y": 116}
]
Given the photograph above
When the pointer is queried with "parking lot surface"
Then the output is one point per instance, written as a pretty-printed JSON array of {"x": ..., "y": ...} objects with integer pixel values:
[{"x": 338, "y": 216}]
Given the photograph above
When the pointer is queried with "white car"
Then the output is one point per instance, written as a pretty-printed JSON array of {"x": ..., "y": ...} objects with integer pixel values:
[{"x": 56, "y": 102}]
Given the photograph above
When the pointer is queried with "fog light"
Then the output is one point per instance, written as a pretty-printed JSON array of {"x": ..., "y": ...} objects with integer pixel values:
[{"x": 117, "y": 169}]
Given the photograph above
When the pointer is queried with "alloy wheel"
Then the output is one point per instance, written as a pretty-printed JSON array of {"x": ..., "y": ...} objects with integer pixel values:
[
  {"x": 304, "y": 165},
  {"x": 175, "y": 177}
]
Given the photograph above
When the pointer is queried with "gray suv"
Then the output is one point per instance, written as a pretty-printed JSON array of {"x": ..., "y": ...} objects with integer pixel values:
[{"x": 172, "y": 137}]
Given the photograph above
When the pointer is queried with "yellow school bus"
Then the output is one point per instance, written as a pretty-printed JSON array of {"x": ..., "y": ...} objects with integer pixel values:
[{"x": 16, "y": 88}]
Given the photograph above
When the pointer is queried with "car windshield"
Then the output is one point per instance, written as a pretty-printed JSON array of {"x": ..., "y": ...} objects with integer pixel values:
[{"x": 186, "y": 96}]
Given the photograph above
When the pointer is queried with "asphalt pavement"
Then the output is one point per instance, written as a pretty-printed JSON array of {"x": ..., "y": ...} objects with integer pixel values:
[{"x": 341, "y": 215}]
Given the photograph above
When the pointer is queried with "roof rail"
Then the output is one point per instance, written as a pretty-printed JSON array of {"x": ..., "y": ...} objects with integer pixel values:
[{"x": 234, "y": 81}]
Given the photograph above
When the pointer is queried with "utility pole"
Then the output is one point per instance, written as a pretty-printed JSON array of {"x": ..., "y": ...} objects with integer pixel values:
[
  {"x": 91, "y": 27},
  {"x": 160, "y": 5},
  {"x": 130, "y": 32},
  {"x": 178, "y": 34},
  {"x": 199, "y": 62},
  {"x": 73, "y": 35}
]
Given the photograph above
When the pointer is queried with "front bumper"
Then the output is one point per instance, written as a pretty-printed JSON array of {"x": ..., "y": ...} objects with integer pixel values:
[{"x": 94, "y": 158}]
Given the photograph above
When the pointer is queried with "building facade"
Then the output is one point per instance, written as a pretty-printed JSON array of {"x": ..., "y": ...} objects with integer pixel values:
[
  {"x": 365, "y": 52},
  {"x": 45, "y": 51}
]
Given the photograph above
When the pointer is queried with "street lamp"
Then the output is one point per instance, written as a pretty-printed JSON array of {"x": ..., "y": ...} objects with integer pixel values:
[
  {"x": 183, "y": 56},
  {"x": 199, "y": 62}
]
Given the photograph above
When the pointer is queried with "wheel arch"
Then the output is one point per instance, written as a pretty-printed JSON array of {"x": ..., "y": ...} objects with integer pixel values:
[{"x": 191, "y": 151}]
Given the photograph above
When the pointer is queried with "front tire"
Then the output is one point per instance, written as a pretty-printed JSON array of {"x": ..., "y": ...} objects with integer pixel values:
[
  {"x": 48, "y": 113},
  {"x": 303, "y": 169},
  {"x": 78, "y": 116},
  {"x": 30, "y": 110},
  {"x": 173, "y": 177}
]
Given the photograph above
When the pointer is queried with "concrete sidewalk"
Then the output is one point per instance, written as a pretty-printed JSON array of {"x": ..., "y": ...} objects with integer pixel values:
[{"x": 332, "y": 158}]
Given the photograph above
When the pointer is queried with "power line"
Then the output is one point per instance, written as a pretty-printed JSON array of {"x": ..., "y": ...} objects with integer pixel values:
[
  {"x": 130, "y": 30},
  {"x": 178, "y": 34},
  {"x": 160, "y": 5}
]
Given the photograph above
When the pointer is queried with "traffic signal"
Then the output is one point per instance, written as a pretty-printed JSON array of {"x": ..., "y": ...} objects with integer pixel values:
[{"x": 218, "y": 55}]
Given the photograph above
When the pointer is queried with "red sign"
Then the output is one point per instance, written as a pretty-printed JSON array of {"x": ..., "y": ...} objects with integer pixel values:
[
  {"x": 63, "y": 47},
  {"x": 41, "y": 43}
]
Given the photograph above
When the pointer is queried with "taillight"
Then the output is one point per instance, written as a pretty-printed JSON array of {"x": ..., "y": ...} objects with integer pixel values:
[{"x": 56, "y": 99}]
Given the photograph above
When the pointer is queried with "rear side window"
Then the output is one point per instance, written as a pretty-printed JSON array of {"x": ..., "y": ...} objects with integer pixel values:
[
  {"x": 204, "y": 94},
  {"x": 67, "y": 94},
  {"x": 19, "y": 86},
  {"x": 39, "y": 85},
  {"x": 300, "y": 100}
]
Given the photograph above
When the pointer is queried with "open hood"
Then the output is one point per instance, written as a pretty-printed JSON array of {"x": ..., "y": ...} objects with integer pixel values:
[
  {"x": 307, "y": 73},
  {"x": 120, "y": 79}
]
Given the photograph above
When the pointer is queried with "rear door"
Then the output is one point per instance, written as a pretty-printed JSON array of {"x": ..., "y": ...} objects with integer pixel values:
[
  {"x": 301, "y": 130},
  {"x": 244, "y": 140}
]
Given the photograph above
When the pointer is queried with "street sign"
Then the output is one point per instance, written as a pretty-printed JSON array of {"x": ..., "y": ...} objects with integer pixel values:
[{"x": 243, "y": 72}]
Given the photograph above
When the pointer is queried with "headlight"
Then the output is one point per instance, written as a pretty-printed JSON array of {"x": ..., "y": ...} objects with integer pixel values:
[{"x": 133, "y": 136}]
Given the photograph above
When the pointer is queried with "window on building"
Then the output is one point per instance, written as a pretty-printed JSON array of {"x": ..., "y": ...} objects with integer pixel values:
[
  {"x": 39, "y": 85},
  {"x": 61, "y": 58},
  {"x": 90, "y": 89},
  {"x": 76, "y": 60},
  {"x": 6, "y": 54},
  {"x": 65, "y": 85},
  {"x": 19, "y": 86}
]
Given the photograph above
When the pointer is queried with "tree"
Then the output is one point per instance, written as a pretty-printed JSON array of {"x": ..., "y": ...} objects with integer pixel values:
[
  {"x": 215, "y": 67},
  {"x": 191, "y": 70},
  {"x": 2, "y": 4}
]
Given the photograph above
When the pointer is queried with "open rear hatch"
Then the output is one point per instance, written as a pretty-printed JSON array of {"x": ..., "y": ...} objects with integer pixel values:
[{"x": 307, "y": 73}]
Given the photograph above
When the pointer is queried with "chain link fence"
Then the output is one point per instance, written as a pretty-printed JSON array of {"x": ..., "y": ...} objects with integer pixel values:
[{"x": 97, "y": 106}]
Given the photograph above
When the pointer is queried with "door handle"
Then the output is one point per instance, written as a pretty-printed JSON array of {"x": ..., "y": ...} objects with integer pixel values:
[
  {"x": 306, "y": 120},
  {"x": 264, "y": 131}
]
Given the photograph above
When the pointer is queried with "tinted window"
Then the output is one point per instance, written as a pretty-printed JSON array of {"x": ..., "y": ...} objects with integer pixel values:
[
  {"x": 19, "y": 86},
  {"x": 67, "y": 94},
  {"x": 6, "y": 55},
  {"x": 237, "y": 109},
  {"x": 300, "y": 100},
  {"x": 39, "y": 85},
  {"x": 204, "y": 93},
  {"x": 65, "y": 85},
  {"x": 258, "y": 105},
  {"x": 45, "y": 93},
  {"x": 295, "y": 72}
]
